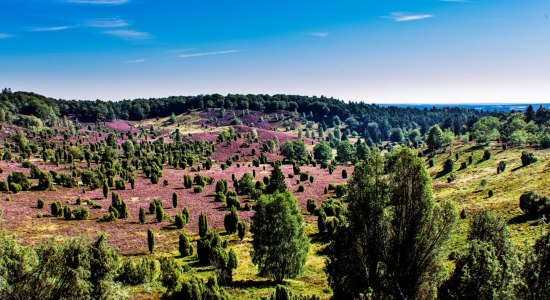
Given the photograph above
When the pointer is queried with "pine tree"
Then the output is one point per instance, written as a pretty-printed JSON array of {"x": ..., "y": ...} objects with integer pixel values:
[
  {"x": 203, "y": 225},
  {"x": 141, "y": 215},
  {"x": 150, "y": 240},
  {"x": 184, "y": 245},
  {"x": 276, "y": 180},
  {"x": 280, "y": 244},
  {"x": 175, "y": 200},
  {"x": 105, "y": 190}
]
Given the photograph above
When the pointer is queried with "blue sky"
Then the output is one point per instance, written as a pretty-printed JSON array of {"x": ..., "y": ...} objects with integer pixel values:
[{"x": 414, "y": 51}]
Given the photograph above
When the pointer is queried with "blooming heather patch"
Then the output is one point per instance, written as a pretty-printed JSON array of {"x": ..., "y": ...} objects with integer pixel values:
[{"x": 127, "y": 235}]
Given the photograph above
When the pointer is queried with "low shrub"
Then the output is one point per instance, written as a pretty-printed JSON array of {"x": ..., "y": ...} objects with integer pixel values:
[
  {"x": 534, "y": 205},
  {"x": 81, "y": 213},
  {"x": 241, "y": 230},
  {"x": 527, "y": 158},
  {"x": 486, "y": 155},
  {"x": 448, "y": 166},
  {"x": 233, "y": 201},
  {"x": 231, "y": 220},
  {"x": 311, "y": 206},
  {"x": 144, "y": 270},
  {"x": 185, "y": 247}
]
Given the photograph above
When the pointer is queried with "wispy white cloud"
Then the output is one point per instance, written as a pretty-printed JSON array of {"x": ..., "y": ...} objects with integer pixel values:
[
  {"x": 98, "y": 2},
  {"x": 175, "y": 51},
  {"x": 5, "y": 35},
  {"x": 135, "y": 61},
  {"x": 129, "y": 34},
  {"x": 53, "y": 28},
  {"x": 107, "y": 23},
  {"x": 198, "y": 54},
  {"x": 318, "y": 34},
  {"x": 404, "y": 17}
]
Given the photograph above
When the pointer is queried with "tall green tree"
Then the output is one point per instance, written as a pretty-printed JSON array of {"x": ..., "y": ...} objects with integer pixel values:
[
  {"x": 491, "y": 268},
  {"x": 294, "y": 151},
  {"x": 434, "y": 139},
  {"x": 537, "y": 270},
  {"x": 150, "y": 240},
  {"x": 280, "y": 244},
  {"x": 276, "y": 180},
  {"x": 392, "y": 243},
  {"x": 345, "y": 152},
  {"x": 322, "y": 152},
  {"x": 486, "y": 129}
]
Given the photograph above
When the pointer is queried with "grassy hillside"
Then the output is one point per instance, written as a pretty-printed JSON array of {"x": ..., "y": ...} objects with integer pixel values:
[{"x": 469, "y": 191}]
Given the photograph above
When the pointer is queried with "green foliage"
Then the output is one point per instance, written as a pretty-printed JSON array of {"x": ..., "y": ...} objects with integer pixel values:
[
  {"x": 139, "y": 271},
  {"x": 534, "y": 205},
  {"x": 486, "y": 154},
  {"x": 332, "y": 207},
  {"x": 170, "y": 271},
  {"x": 56, "y": 209},
  {"x": 231, "y": 220},
  {"x": 72, "y": 269},
  {"x": 45, "y": 181},
  {"x": 174, "y": 200},
  {"x": 486, "y": 129},
  {"x": 311, "y": 206},
  {"x": 221, "y": 186},
  {"x": 81, "y": 213},
  {"x": 187, "y": 181},
  {"x": 197, "y": 189},
  {"x": 536, "y": 270},
  {"x": 141, "y": 215},
  {"x": 120, "y": 184},
  {"x": 105, "y": 190},
  {"x": 279, "y": 240},
  {"x": 491, "y": 268},
  {"x": 276, "y": 180},
  {"x": 40, "y": 203},
  {"x": 434, "y": 138},
  {"x": 345, "y": 152},
  {"x": 241, "y": 230},
  {"x": 527, "y": 158},
  {"x": 119, "y": 207},
  {"x": 160, "y": 214},
  {"x": 150, "y": 240},
  {"x": 396, "y": 135},
  {"x": 194, "y": 288},
  {"x": 185, "y": 247},
  {"x": 211, "y": 250},
  {"x": 180, "y": 220},
  {"x": 393, "y": 228},
  {"x": 294, "y": 151},
  {"x": 246, "y": 184},
  {"x": 448, "y": 166},
  {"x": 322, "y": 221},
  {"x": 67, "y": 213},
  {"x": 501, "y": 167},
  {"x": 340, "y": 190},
  {"x": 284, "y": 293},
  {"x": 232, "y": 201},
  {"x": 20, "y": 180},
  {"x": 322, "y": 152},
  {"x": 203, "y": 225}
]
